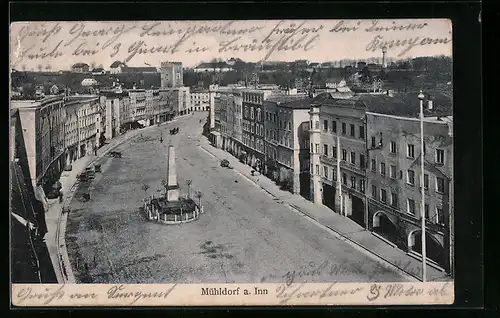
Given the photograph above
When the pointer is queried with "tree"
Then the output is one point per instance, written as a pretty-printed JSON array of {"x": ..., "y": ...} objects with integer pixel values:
[
  {"x": 145, "y": 188},
  {"x": 189, "y": 182},
  {"x": 39, "y": 67},
  {"x": 48, "y": 67},
  {"x": 92, "y": 65},
  {"x": 199, "y": 195},
  {"x": 23, "y": 67}
]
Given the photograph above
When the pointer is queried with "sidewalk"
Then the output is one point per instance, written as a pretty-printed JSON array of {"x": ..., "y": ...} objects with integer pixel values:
[
  {"x": 56, "y": 221},
  {"x": 343, "y": 226}
]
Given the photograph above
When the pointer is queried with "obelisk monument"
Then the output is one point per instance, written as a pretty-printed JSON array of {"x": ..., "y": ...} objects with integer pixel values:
[{"x": 172, "y": 188}]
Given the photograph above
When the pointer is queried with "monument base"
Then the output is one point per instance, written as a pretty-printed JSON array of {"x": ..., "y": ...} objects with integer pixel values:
[{"x": 172, "y": 212}]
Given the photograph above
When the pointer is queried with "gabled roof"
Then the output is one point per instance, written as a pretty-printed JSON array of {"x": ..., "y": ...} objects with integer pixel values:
[
  {"x": 80, "y": 65},
  {"x": 116, "y": 64}
]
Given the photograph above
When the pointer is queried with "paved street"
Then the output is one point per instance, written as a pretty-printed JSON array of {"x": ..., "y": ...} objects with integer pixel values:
[{"x": 244, "y": 235}]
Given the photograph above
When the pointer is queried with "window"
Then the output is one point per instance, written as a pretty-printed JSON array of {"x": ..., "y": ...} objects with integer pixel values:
[
  {"x": 439, "y": 185},
  {"x": 353, "y": 130},
  {"x": 382, "y": 168},
  {"x": 410, "y": 177},
  {"x": 325, "y": 125},
  {"x": 317, "y": 148},
  {"x": 362, "y": 185},
  {"x": 325, "y": 171},
  {"x": 374, "y": 191},
  {"x": 394, "y": 199},
  {"x": 251, "y": 113},
  {"x": 361, "y": 132},
  {"x": 290, "y": 126},
  {"x": 410, "y": 151},
  {"x": 317, "y": 170},
  {"x": 426, "y": 181},
  {"x": 312, "y": 148},
  {"x": 362, "y": 161},
  {"x": 334, "y": 175},
  {"x": 344, "y": 154},
  {"x": 281, "y": 124},
  {"x": 411, "y": 206},
  {"x": 439, "y": 216},
  {"x": 426, "y": 211},
  {"x": 440, "y": 156},
  {"x": 334, "y": 152},
  {"x": 334, "y": 126},
  {"x": 392, "y": 172},
  {"x": 353, "y": 157},
  {"x": 312, "y": 171},
  {"x": 374, "y": 165},
  {"x": 353, "y": 182},
  {"x": 344, "y": 178},
  {"x": 325, "y": 150},
  {"x": 316, "y": 124},
  {"x": 343, "y": 128},
  {"x": 383, "y": 195},
  {"x": 373, "y": 142},
  {"x": 393, "y": 147}
]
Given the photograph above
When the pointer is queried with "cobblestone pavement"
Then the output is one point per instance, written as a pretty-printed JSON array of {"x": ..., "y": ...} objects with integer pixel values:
[{"x": 244, "y": 235}]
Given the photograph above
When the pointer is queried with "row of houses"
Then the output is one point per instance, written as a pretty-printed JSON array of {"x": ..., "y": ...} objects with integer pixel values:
[{"x": 358, "y": 154}]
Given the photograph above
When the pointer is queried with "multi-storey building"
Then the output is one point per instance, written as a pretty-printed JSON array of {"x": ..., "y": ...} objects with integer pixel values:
[
  {"x": 43, "y": 133},
  {"x": 368, "y": 147},
  {"x": 286, "y": 124},
  {"x": 171, "y": 74},
  {"x": 83, "y": 127},
  {"x": 338, "y": 137},
  {"x": 181, "y": 100},
  {"x": 228, "y": 120},
  {"x": 165, "y": 105},
  {"x": 200, "y": 100},
  {"x": 394, "y": 183},
  {"x": 253, "y": 132},
  {"x": 138, "y": 106},
  {"x": 115, "y": 114}
]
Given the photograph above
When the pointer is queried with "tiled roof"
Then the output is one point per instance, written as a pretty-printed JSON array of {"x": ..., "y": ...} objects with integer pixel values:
[
  {"x": 291, "y": 101},
  {"x": 214, "y": 65},
  {"x": 401, "y": 104}
]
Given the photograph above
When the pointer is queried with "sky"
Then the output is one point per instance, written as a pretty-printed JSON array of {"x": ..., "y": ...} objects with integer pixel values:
[{"x": 59, "y": 45}]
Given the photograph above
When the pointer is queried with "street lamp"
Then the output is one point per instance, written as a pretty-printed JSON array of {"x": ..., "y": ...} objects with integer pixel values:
[{"x": 422, "y": 208}]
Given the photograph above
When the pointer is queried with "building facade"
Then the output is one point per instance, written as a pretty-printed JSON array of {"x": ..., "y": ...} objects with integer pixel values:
[
  {"x": 181, "y": 100},
  {"x": 338, "y": 153},
  {"x": 286, "y": 123},
  {"x": 171, "y": 74},
  {"x": 82, "y": 126},
  {"x": 200, "y": 100},
  {"x": 253, "y": 132},
  {"x": 394, "y": 183},
  {"x": 138, "y": 105},
  {"x": 43, "y": 133}
]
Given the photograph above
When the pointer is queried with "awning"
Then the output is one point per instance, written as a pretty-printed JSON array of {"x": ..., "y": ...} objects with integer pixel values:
[{"x": 142, "y": 122}]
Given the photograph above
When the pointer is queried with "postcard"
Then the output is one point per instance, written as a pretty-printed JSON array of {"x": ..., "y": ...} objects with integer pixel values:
[{"x": 219, "y": 163}]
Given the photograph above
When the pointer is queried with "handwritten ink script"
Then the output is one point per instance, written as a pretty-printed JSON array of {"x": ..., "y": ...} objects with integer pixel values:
[
  {"x": 127, "y": 41},
  {"x": 233, "y": 294}
]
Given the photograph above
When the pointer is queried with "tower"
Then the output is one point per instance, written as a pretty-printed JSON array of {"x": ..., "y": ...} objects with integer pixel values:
[
  {"x": 172, "y": 188},
  {"x": 384, "y": 61}
]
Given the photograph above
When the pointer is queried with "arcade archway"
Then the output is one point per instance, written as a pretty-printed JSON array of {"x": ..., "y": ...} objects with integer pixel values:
[
  {"x": 383, "y": 226},
  {"x": 434, "y": 249}
]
